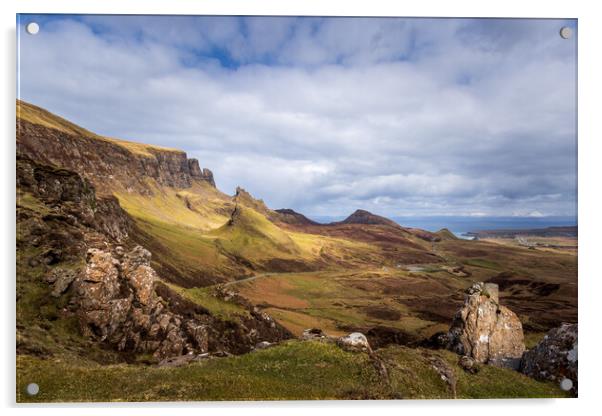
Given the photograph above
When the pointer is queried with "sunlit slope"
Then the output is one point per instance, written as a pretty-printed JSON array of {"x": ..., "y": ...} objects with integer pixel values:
[
  {"x": 37, "y": 115},
  {"x": 201, "y": 206},
  {"x": 255, "y": 241},
  {"x": 198, "y": 235}
]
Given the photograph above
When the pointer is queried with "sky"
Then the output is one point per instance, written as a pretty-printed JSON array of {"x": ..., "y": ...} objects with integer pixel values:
[{"x": 398, "y": 116}]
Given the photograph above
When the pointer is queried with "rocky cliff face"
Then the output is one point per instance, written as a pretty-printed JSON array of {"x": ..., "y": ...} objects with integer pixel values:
[
  {"x": 485, "y": 330},
  {"x": 68, "y": 198},
  {"x": 110, "y": 165}
]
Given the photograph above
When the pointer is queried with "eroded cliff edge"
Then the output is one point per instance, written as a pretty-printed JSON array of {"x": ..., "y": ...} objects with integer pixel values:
[{"x": 109, "y": 164}]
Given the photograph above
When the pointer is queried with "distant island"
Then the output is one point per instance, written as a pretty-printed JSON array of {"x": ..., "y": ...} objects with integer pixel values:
[{"x": 568, "y": 231}]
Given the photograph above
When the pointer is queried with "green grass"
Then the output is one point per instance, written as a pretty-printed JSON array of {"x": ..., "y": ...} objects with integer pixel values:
[
  {"x": 202, "y": 207},
  {"x": 203, "y": 296},
  {"x": 252, "y": 236},
  {"x": 291, "y": 371},
  {"x": 486, "y": 264},
  {"x": 185, "y": 250},
  {"x": 294, "y": 370},
  {"x": 533, "y": 338}
]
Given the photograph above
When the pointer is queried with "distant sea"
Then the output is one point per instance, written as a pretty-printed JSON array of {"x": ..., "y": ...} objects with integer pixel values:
[{"x": 461, "y": 225}]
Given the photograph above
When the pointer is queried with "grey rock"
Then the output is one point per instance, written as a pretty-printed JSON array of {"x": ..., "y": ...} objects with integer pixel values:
[
  {"x": 356, "y": 342},
  {"x": 555, "y": 357}
]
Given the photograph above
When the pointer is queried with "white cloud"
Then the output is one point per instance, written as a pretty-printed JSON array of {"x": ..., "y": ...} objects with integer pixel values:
[{"x": 329, "y": 115}]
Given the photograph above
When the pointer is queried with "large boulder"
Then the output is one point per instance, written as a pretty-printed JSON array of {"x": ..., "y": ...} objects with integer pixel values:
[
  {"x": 356, "y": 342},
  {"x": 485, "y": 330},
  {"x": 555, "y": 357}
]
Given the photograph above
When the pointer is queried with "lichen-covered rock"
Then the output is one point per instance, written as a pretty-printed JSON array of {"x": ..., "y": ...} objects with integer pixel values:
[
  {"x": 485, "y": 330},
  {"x": 117, "y": 302},
  {"x": 554, "y": 357},
  {"x": 356, "y": 342},
  {"x": 140, "y": 275}
]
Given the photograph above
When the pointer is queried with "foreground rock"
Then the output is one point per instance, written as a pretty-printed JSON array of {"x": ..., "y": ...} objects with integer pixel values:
[
  {"x": 485, "y": 330},
  {"x": 355, "y": 342},
  {"x": 555, "y": 357},
  {"x": 118, "y": 303}
]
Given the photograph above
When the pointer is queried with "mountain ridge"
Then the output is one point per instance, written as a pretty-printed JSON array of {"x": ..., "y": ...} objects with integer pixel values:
[{"x": 110, "y": 164}]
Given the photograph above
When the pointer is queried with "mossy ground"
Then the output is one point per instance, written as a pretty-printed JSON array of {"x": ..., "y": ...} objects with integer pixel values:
[
  {"x": 294, "y": 370},
  {"x": 215, "y": 305}
]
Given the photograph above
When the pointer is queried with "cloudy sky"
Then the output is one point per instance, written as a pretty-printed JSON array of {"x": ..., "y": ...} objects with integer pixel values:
[{"x": 327, "y": 115}]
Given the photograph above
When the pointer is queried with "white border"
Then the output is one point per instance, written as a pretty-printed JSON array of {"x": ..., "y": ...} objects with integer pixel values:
[{"x": 590, "y": 209}]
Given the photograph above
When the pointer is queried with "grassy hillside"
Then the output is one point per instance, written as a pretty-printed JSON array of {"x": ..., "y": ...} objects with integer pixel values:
[{"x": 295, "y": 370}]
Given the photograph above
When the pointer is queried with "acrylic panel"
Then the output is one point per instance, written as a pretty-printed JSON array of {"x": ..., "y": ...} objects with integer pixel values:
[{"x": 295, "y": 208}]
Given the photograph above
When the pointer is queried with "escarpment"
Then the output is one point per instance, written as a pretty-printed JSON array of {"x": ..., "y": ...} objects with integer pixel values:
[{"x": 110, "y": 164}]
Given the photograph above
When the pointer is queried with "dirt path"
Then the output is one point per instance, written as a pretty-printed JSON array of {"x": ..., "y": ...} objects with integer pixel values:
[
  {"x": 271, "y": 274},
  {"x": 248, "y": 279}
]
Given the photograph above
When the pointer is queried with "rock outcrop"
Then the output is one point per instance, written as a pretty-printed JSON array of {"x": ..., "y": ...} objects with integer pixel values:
[
  {"x": 555, "y": 357},
  {"x": 197, "y": 173},
  {"x": 70, "y": 199},
  {"x": 117, "y": 304},
  {"x": 485, "y": 330}
]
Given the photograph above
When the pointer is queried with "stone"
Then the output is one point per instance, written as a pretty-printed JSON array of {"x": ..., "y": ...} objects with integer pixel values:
[
  {"x": 100, "y": 282},
  {"x": 172, "y": 345},
  {"x": 554, "y": 358},
  {"x": 142, "y": 281},
  {"x": 313, "y": 333},
  {"x": 356, "y": 342},
  {"x": 199, "y": 334},
  {"x": 63, "y": 280},
  {"x": 263, "y": 345},
  {"x": 485, "y": 330},
  {"x": 469, "y": 364},
  {"x": 119, "y": 252}
]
